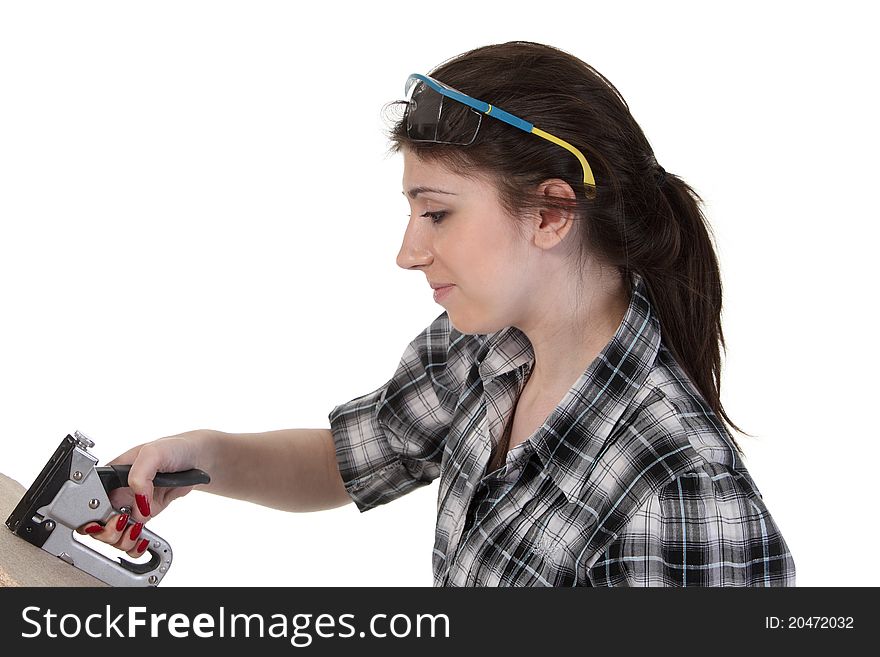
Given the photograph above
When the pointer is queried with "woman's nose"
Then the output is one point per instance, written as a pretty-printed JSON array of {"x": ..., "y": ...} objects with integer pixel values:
[{"x": 414, "y": 251}]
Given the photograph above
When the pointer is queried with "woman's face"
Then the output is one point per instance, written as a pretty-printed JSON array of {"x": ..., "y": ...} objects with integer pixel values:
[{"x": 470, "y": 242}]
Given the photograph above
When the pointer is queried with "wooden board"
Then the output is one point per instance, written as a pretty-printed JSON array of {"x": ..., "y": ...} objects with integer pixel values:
[{"x": 23, "y": 564}]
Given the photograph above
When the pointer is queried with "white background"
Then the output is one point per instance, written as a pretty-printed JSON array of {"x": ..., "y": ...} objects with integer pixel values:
[{"x": 199, "y": 224}]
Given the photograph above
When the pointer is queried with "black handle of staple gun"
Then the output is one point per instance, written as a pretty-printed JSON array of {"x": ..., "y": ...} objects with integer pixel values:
[{"x": 116, "y": 476}]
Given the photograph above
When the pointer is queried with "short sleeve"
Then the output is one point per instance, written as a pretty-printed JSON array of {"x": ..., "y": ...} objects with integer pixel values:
[
  {"x": 708, "y": 527},
  {"x": 391, "y": 441}
]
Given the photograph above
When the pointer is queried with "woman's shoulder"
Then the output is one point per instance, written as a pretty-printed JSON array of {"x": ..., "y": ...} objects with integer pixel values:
[
  {"x": 670, "y": 398},
  {"x": 668, "y": 432},
  {"x": 682, "y": 480}
]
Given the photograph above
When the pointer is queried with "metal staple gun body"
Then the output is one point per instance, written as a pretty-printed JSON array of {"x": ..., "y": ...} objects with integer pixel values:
[{"x": 72, "y": 491}]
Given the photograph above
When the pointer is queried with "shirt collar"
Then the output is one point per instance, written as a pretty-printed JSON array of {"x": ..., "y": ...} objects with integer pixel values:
[{"x": 572, "y": 436}]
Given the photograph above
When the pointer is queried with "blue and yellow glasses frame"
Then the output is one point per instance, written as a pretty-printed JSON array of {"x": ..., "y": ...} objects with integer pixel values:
[{"x": 483, "y": 108}]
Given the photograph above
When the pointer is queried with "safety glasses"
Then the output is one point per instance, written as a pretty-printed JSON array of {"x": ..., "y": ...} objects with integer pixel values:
[{"x": 438, "y": 113}]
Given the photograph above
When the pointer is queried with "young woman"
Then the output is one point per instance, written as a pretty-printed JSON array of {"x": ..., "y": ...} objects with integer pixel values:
[{"x": 567, "y": 397}]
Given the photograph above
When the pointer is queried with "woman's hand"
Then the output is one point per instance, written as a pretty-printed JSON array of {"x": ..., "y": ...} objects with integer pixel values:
[{"x": 170, "y": 454}]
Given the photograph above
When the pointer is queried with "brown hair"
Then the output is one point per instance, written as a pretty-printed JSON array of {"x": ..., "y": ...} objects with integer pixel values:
[{"x": 640, "y": 218}]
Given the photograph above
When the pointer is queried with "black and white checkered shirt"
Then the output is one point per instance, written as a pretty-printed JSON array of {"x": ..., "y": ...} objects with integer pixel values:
[{"x": 631, "y": 481}]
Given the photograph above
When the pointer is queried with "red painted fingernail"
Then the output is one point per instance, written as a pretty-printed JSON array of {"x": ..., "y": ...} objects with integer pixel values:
[
  {"x": 122, "y": 522},
  {"x": 143, "y": 545},
  {"x": 136, "y": 530},
  {"x": 94, "y": 529},
  {"x": 143, "y": 505}
]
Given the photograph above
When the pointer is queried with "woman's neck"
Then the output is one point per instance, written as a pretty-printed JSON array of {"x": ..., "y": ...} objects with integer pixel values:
[{"x": 565, "y": 341}]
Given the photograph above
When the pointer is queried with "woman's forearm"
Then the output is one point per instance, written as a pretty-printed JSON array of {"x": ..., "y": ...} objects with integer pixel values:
[{"x": 287, "y": 469}]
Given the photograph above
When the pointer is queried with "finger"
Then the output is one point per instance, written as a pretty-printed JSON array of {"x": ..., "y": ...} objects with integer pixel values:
[
  {"x": 140, "y": 481},
  {"x": 143, "y": 504},
  {"x": 108, "y": 533},
  {"x": 139, "y": 549},
  {"x": 124, "y": 500},
  {"x": 90, "y": 529},
  {"x": 128, "y": 538},
  {"x": 115, "y": 528}
]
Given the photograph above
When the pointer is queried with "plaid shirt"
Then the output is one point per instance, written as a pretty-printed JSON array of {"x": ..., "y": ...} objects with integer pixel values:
[{"x": 631, "y": 481}]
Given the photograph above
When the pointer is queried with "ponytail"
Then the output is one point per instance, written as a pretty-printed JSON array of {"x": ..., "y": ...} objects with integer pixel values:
[{"x": 686, "y": 292}]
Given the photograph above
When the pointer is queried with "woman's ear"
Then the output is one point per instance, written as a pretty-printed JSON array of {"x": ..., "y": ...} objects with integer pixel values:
[{"x": 552, "y": 223}]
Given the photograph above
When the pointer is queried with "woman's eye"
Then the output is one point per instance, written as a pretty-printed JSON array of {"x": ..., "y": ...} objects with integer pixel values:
[{"x": 436, "y": 217}]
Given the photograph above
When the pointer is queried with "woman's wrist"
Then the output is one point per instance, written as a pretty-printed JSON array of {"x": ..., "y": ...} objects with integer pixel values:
[{"x": 205, "y": 445}]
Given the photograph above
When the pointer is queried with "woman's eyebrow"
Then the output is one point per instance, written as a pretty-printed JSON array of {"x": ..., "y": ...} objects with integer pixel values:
[{"x": 415, "y": 191}]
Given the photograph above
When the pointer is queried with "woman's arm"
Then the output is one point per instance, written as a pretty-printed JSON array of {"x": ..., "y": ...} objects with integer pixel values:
[{"x": 287, "y": 469}]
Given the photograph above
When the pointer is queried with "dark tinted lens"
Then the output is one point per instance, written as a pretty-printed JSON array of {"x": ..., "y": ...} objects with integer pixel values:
[
  {"x": 433, "y": 117},
  {"x": 423, "y": 113}
]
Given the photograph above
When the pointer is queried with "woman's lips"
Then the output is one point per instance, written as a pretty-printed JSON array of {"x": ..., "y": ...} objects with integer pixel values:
[{"x": 442, "y": 292}]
